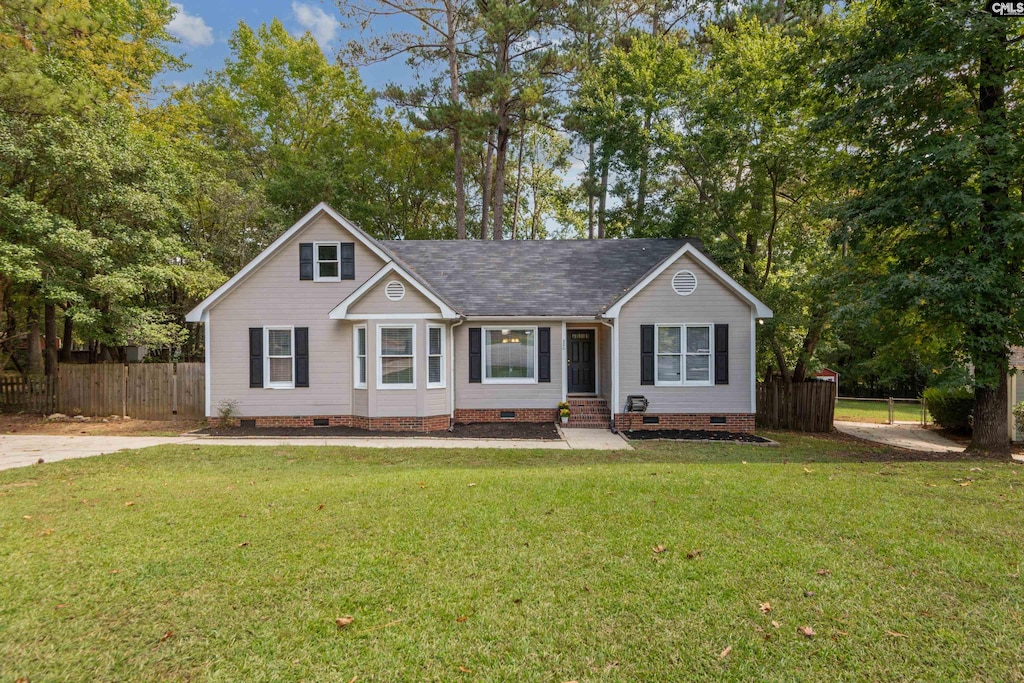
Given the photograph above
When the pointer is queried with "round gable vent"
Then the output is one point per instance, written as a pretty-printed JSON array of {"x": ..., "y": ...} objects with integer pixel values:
[
  {"x": 395, "y": 290},
  {"x": 684, "y": 283}
]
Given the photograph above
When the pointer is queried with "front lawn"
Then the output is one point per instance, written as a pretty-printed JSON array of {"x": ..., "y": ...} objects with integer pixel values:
[
  {"x": 877, "y": 411},
  {"x": 674, "y": 562}
]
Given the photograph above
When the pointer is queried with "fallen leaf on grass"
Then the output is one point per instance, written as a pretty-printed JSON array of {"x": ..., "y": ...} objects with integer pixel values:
[
  {"x": 40, "y": 461},
  {"x": 342, "y": 622},
  {"x": 422, "y": 484},
  {"x": 965, "y": 483},
  {"x": 167, "y": 636},
  {"x": 469, "y": 486},
  {"x": 806, "y": 631},
  {"x": 766, "y": 607},
  {"x": 114, "y": 571},
  {"x": 776, "y": 624},
  {"x": 465, "y": 670},
  {"x": 353, "y": 679},
  {"x": 694, "y": 554},
  {"x": 319, "y": 507},
  {"x": 47, "y": 532},
  {"x": 129, "y": 503},
  {"x": 824, "y": 572},
  {"x": 462, "y": 618},
  {"x": 896, "y": 634},
  {"x": 725, "y": 653},
  {"x": 26, "y": 517},
  {"x": 243, "y": 544},
  {"x": 808, "y": 471},
  {"x": 659, "y": 549},
  {"x": 842, "y": 633}
]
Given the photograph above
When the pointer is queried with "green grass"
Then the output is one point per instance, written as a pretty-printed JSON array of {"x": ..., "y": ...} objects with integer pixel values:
[
  {"x": 877, "y": 411},
  {"x": 513, "y": 565}
]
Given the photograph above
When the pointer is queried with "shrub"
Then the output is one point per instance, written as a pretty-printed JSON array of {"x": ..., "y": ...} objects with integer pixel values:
[
  {"x": 951, "y": 408},
  {"x": 228, "y": 411}
]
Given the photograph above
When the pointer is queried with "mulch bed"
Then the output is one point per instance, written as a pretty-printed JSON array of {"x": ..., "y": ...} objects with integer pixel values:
[
  {"x": 488, "y": 430},
  {"x": 693, "y": 435}
]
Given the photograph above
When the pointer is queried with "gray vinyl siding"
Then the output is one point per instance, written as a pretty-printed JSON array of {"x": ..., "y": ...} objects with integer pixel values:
[
  {"x": 498, "y": 396},
  {"x": 712, "y": 303},
  {"x": 272, "y": 294},
  {"x": 375, "y": 301}
]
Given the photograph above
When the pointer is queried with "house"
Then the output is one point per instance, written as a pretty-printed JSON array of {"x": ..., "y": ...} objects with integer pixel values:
[{"x": 329, "y": 326}]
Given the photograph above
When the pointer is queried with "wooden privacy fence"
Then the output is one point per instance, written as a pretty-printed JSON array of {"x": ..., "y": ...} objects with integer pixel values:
[
  {"x": 803, "y": 407},
  {"x": 147, "y": 391},
  {"x": 27, "y": 394}
]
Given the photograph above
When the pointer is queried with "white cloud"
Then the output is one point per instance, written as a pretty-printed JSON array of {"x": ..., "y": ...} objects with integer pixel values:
[
  {"x": 192, "y": 29},
  {"x": 321, "y": 25}
]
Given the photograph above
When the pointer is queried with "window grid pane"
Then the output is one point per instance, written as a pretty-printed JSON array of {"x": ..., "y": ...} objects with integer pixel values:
[
  {"x": 669, "y": 340},
  {"x": 396, "y": 370},
  {"x": 698, "y": 340},
  {"x": 510, "y": 354},
  {"x": 361, "y": 341},
  {"x": 434, "y": 369},
  {"x": 280, "y": 369},
  {"x": 279, "y": 342},
  {"x": 698, "y": 368},
  {"x": 327, "y": 252},
  {"x": 434, "y": 337},
  {"x": 396, "y": 341},
  {"x": 328, "y": 269},
  {"x": 362, "y": 369},
  {"x": 668, "y": 368}
]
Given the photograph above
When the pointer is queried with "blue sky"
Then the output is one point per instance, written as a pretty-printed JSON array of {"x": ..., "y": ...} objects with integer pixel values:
[{"x": 204, "y": 28}]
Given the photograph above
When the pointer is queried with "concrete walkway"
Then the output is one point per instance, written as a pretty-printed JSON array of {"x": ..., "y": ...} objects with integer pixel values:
[
  {"x": 20, "y": 450},
  {"x": 910, "y": 436}
]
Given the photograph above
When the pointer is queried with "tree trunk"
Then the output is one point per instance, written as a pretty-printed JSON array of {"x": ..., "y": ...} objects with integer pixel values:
[
  {"x": 456, "y": 102},
  {"x": 519, "y": 181},
  {"x": 991, "y": 430},
  {"x": 602, "y": 207},
  {"x": 485, "y": 191},
  {"x": 590, "y": 191},
  {"x": 991, "y": 404},
  {"x": 641, "y": 183},
  {"x": 35, "y": 351},
  {"x": 50, "y": 330},
  {"x": 67, "y": 339},
  {"x": 500, "y": 161}
]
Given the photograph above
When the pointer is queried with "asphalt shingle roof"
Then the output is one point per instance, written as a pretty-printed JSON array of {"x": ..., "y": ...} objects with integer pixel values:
[{"x": 533, "y": 277}]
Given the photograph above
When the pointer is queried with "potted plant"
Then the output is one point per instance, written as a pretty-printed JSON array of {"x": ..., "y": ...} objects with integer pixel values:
[{"x": 563, "y": 411}]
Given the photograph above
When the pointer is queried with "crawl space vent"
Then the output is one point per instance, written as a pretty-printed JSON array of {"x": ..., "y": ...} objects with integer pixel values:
[
  {"x": 395, "y": 290},
  {"x": 684, "y": 283}
]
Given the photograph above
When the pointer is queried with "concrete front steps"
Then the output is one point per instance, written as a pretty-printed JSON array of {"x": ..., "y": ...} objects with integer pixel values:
[{"x": 589, "y": 413}]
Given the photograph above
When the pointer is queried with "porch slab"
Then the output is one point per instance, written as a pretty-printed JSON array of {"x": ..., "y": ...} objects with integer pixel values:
[{"x": 594, "y": 440}]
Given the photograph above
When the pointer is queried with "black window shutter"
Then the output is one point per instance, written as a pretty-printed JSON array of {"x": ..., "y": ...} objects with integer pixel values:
[
  {"x": 348, "y": 261},
  {"x": 475, "y": 355},
  {"x": 544, "y": 354},
  {"x": 302, "y": 356},
  {"x": 255, "y": 357},
  {"x": 306, "y": 261},
  {"x": 721, "y": 354},
  {"x": 647, "y": 354}
]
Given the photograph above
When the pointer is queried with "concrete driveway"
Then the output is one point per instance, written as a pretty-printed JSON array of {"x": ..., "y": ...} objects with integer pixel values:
[
  {"x": 910, "y": 436},
  {"x": 18, "y": 450}
]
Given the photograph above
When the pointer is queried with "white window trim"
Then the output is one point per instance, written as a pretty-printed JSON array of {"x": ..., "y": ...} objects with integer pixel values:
[
  {"x": 317, "y": 262},
  {"x": 380, "y": 363},
  {"x": 444, "y": 338},
  {"x": 683, "y": 382},
  {"x": 485, "y": 356},
  {"x": 266, "y": 357},
  {"x": 355, "y": 356}
]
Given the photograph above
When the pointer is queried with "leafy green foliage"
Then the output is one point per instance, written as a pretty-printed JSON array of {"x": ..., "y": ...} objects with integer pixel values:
[{"x": 952, "y": 408}]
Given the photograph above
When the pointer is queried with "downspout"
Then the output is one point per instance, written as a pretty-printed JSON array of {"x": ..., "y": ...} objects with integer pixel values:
[
  {"x": 451, "y": 372},
  {"x": 614, "y": 334}
]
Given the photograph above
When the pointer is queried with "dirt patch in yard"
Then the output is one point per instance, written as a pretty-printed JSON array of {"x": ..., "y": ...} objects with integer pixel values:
[
  {"x": 37, "y": 424},
  {"x": 482, "y": 430}
]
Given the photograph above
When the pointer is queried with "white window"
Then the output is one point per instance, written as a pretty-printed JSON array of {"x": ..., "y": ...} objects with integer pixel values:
[
  {"x": 683, "y": 355},
  {"x": 359, "y": 346},
  {"x": 279, "y": 357},
  {"x": 328, "y": 262},
  {"x": 396, "y": 358},
  {"x": 510, "y": 355},
  {"x": 435, "y": 357}
]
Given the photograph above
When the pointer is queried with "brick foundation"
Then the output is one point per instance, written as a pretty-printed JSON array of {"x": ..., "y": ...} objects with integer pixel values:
[
  {"x": 432, "y": 423},
  {"x": 471, "y": 415},
  {"x": 734, "y": 422}
]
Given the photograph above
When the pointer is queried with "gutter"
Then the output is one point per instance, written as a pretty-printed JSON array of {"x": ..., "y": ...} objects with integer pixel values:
[{"x": 451, "y": 372}]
